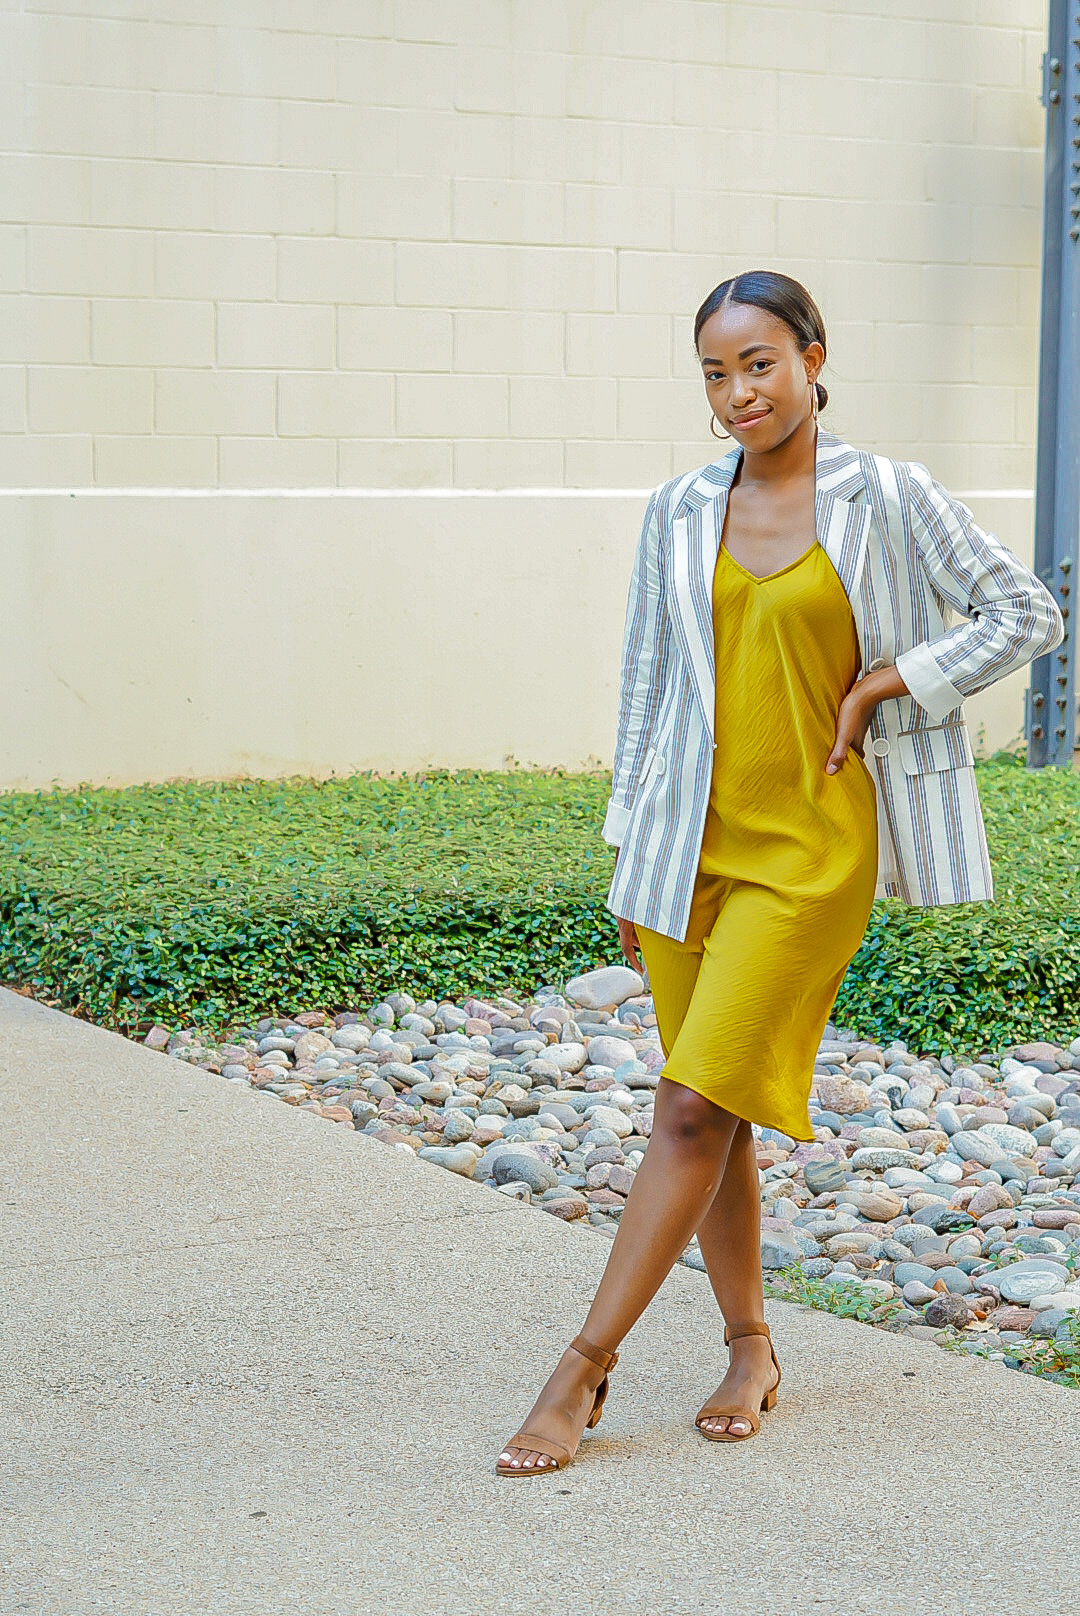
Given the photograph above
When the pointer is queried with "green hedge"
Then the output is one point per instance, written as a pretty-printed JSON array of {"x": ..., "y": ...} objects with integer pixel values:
[{"x": 209, "y": 903}]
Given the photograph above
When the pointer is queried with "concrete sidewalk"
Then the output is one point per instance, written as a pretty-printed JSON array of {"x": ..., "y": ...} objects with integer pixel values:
[{"x": 257, "y": 1363}]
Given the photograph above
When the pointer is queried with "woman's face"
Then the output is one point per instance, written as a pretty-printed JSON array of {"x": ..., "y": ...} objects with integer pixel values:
[{"x": 756, "y": 380}]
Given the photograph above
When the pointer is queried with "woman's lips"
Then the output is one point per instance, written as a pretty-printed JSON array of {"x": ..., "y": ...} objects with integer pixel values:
[{"x": 749, "y": 420}]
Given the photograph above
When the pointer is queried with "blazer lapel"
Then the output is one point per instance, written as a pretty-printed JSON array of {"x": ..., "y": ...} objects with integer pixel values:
[
  {"x": 697, "y": 523},
  {"x": 842, "y": 520}
]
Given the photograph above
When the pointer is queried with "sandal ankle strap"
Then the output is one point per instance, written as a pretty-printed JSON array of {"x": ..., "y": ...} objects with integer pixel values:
[
  {"x": 732, "y": 1332},
  {"x": 597, "y": 1355}
]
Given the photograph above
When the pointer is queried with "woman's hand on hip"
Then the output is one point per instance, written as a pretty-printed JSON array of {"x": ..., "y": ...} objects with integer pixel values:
[
  {"x": 857, "y": 709},
  {"x": 628, "y": 939},
  {"x": 852, "y": 723}
]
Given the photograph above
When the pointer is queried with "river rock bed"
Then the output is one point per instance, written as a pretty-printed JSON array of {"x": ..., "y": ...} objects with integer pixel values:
[{"x": 950, "y": 1191}]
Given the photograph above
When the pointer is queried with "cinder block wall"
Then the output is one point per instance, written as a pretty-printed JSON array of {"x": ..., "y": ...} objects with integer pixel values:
[{"x": 459, "y": 242}]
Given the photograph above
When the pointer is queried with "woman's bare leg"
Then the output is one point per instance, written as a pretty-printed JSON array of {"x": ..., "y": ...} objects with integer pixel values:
[
  {"x": 678, "y": 1177},
  {"x": 730, "y": 1239}
]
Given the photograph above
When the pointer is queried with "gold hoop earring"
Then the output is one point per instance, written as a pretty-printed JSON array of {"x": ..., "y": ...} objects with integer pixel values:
[
  {"x": 813, "y": 400},
  {"x": 712, "y": 429}
]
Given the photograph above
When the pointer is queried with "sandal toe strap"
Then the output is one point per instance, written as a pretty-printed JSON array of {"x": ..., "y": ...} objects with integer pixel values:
[
  {"x": 735, "y": 1411},
  {"x": 535, "y": 1443}
]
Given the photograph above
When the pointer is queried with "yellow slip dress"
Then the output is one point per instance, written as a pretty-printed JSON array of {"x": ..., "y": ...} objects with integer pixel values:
[{"x": 788, "y": 861}]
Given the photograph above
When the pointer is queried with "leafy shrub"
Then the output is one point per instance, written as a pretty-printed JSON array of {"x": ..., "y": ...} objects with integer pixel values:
[
  {"x": 210, "y": 902},
  {"x": 972, "y": 976}
]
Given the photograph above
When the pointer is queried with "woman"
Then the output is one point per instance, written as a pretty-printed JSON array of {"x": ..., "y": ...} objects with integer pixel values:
[{"x": 786, "y": 602}]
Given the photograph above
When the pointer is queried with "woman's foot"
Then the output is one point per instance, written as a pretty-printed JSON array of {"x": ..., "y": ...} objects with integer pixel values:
[
  {"x": 560, "y": 1412},
  {"x": 751, "y": 1373}
]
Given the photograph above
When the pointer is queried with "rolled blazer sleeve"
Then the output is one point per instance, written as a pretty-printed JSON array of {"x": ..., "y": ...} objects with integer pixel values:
[
  {"x": 1011, "y": 616},
  {"x": 646, "y": 646}
]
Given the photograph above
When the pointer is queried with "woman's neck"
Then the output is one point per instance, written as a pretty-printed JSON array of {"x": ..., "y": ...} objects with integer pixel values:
[{"x": 794, "y": 458}]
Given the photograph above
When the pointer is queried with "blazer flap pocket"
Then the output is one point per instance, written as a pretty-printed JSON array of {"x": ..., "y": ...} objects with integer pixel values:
[{"x": 935, "y": 747}]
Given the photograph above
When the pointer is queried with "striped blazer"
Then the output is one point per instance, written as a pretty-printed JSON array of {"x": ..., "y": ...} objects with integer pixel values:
[{"x": 906, "y": 552}]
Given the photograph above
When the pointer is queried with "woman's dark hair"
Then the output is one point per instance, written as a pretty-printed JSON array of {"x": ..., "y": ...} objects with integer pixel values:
[{"x": 778, "y": 295}]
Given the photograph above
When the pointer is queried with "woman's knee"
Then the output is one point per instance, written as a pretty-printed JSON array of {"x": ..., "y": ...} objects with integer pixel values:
[{"x": 687, "y": 1116}]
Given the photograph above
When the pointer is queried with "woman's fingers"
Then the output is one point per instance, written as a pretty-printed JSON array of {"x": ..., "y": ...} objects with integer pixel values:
[
  {"x": 629, "y": 943},
  {"x": 851, "y": 726},
  {"x": 845, "y": 743}
]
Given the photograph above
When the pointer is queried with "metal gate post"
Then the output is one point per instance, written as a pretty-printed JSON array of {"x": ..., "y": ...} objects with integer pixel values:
[{"x": 1051, "y": 707}]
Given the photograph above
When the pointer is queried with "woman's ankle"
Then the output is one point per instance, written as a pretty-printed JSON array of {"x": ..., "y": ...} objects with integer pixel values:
[{"x": 584, "y": 1371}]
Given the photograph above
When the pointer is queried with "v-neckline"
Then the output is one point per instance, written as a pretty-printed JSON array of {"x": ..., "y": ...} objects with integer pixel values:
[{"x": 765, "y": 577}]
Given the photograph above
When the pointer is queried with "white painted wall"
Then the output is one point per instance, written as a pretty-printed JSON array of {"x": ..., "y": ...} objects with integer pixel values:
[{"x": 149, "y": 636}]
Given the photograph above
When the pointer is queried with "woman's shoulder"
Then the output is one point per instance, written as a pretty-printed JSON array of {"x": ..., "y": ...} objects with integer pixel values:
[
  {"x": 903, "y": 475},
  {"x": 706, "y": 480},
  {"x": 840, "y": 463}
]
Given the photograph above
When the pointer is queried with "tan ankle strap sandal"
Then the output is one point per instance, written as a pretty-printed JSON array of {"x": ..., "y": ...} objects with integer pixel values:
[
  {"x": 739, "y": 1411},
  {"x": 535, "y": 1442}
]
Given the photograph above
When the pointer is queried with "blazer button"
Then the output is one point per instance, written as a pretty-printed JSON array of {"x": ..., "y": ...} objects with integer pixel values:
[
  {"x": 880, "y": 746},
  {"x": 878, "y": 662},
  {"x": 660, "y": 765}
]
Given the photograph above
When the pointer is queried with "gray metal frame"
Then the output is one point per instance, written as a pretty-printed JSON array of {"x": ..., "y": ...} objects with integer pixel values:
[{"x": 1050, "y": 721}]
